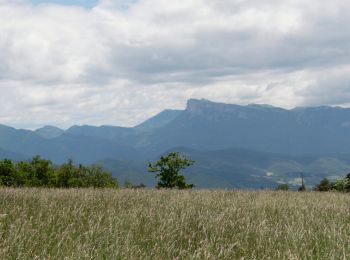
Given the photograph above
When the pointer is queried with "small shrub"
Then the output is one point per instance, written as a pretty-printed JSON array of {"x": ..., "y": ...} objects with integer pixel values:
[
  {"x": 324, "y": 185},
  {"x": 283, "y": 187}
]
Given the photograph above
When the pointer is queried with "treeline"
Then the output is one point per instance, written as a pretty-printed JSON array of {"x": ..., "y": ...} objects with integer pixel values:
[
  {"x": 342, "y": 185},
  {"x": 39, "y": 172}
]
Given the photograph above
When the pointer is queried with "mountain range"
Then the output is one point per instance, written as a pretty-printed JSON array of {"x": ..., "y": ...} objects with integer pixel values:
[{"x": 248, "y": 146}]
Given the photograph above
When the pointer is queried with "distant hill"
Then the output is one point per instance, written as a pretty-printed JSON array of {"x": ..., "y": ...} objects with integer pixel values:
[
  {"x": 208, "y": 125},
  {"x": 49, "y": 132},
  {"x": 83, "y": 149},
  {"x": 313, "y": 140},
  {"x": 10, "y": 155},
  {"x": 102, "y": 132},
  {"x": 160, "y": 120},
  {"x": 241, "y": 168},
  {"x": 19, "y": 141}
]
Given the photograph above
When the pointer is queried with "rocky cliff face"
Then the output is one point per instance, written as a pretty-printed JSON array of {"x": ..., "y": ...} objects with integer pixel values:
[
  {"x": 212, "y": 111},
  {"x": 220, "y": 111}
]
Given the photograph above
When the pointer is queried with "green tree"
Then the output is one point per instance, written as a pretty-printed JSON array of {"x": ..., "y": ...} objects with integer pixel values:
[
  {"x": 324, "y": 185},
  {"x": 100, "y": 178},
  {"x": 283, "y": 187},
  {"x": 64, "y": 174},
  {"x": 42, "y": 171},
  {"x": 347, "y": 183},
  {"x": 8, "y": 174},
  {"x": 168, "y": 171},
  {"x": 340, "y": 185},
  {"x": 127, "y": 184},
  {"x": 25, "y": 173}
]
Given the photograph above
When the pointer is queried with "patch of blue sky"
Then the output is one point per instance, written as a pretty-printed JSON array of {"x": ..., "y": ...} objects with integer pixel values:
[
  {"x": 126, "y": 4},
  {"x": 84, "y": 3}
]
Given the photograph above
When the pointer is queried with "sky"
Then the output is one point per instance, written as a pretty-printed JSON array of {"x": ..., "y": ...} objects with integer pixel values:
[
  {"x": 119, "y": 62},
  {"x": 84, "y": 3}
]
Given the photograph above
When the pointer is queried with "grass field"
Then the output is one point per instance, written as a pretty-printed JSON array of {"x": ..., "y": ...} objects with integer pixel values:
[{"x": 152, "y": 224}]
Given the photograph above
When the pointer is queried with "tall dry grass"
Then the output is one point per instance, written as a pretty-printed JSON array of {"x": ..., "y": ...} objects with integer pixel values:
[{"x": 153, "y": 224}]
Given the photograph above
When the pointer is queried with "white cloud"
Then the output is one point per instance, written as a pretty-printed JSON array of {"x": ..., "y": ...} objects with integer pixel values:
[{"x": 122, "y": 61}]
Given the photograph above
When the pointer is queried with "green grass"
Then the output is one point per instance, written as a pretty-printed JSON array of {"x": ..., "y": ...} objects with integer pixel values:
[{"x": 152, "y": 224}]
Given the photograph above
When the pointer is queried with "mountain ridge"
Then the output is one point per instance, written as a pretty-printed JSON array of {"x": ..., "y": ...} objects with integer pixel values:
[
  {"x": 49, "y": 131},
  {"x": 204, "y": 124},
  {"x": 193, "y": 104},
  {"x": 314, "y": 140}
]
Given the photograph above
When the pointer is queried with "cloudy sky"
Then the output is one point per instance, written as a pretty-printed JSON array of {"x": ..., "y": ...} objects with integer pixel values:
[{"x": 119, "y": 62}]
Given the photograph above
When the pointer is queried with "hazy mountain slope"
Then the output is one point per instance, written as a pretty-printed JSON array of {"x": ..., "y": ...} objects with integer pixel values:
[
  {"x": 49, "y": 132},
  {"x": 159, "y": 120},
  {"x": 251, "y": 168},
  {"x": 103, "y": 132},
  {"x": 22, "y": 141},
  {"x": 234, "y": 146},
  {"x": 239, "y": 168},
  {"x": 11, "y": 155},
  {"x": 209, "y": 125},
  {"x": 66, "y": 146},
  {"x": 137, "y": 137},
  {"x": 85, "y": 149},
  {"x": 129, "y": 170}
]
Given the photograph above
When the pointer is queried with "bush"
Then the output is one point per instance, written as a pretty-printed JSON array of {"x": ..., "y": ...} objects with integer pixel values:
[
  {"x": 341, "y": 185},
  {"x": 324, "y": 185},
  {"x": 41, "y": 173},
  {"x": 8, "y": 174},
  {"x": 283, "y": 187}
]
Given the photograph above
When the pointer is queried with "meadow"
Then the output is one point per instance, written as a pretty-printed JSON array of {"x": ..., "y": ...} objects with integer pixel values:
[{"x": 172, "y": 224}]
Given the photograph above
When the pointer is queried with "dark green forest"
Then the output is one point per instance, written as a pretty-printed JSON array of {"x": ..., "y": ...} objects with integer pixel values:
[
  {"x": 342, "y": 184},
  {"x": 39, "y": 172}
]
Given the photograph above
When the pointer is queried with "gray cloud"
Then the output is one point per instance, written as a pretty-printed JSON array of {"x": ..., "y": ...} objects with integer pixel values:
[{"x": 123, "y": 61}]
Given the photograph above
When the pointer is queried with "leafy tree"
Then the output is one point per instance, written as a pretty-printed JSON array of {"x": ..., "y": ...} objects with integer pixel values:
[
  {"x": 340, "y": 185},
  {"x": 35, "y": 173},
  {"x": 101, "y": 178},
  {"x": 41, "y": 173},
  {"x": 168, "y": 171},
  {"x": 343, "y": 184},
  {"x": 283, "y": 187},
  {"x": 324, "y": 185},
  {"x": 127, "y": 184},
  {"x": 64, "y": 175},
  {"x": 347, "y": 183},
  {"x": 7, "y": 173},
  {"x": 25, "y": 174}
]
